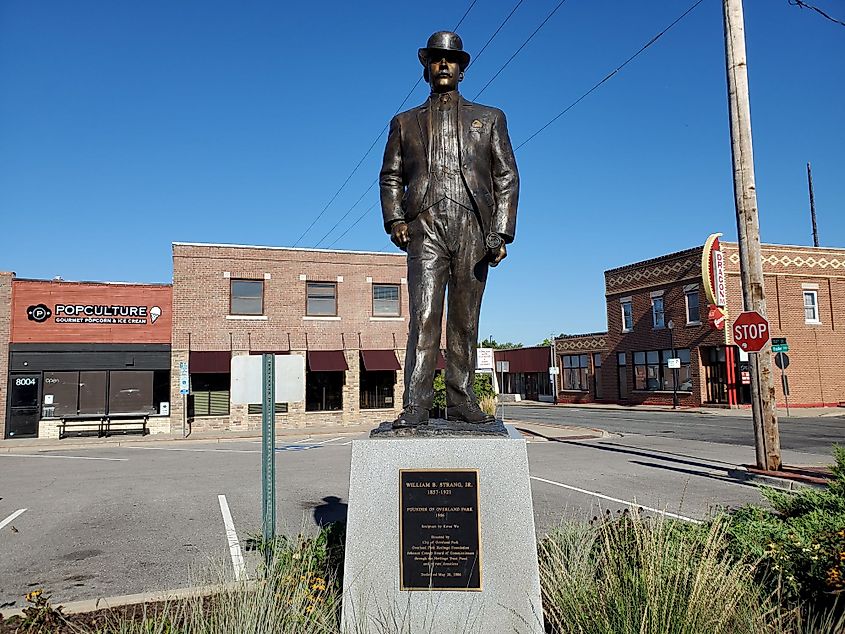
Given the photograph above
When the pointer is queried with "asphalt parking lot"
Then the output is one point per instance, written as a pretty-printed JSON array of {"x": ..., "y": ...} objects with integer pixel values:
[{"x": 106, "y": 521}]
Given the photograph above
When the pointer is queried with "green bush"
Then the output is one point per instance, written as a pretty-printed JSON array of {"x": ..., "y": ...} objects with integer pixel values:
[
  {"x": 800, "y": 544},
  {"x": 482, "y": 385}
]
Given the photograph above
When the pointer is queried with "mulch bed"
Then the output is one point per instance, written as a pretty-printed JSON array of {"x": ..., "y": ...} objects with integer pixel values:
[{"x": 85, "y": 622}]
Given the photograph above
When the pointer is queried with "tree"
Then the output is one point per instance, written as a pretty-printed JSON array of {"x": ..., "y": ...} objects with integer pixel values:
[{"x": 492, "y": 343}]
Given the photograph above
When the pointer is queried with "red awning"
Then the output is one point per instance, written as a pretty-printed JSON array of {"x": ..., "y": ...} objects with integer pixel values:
[
  {"x": 327, "y": 361},
  {"x": 212, "y": 362},
  {"x": 526, "y": 360},
  {"x": 375, "y": 360},
  {"x": 441, "y": 361}
]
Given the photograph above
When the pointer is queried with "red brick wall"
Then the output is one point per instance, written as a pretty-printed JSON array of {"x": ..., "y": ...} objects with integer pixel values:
[
  {"x": 588, "y": 344},
  {"x": 5, "y": 330},
  {"x": 201, "y": 297},
  {"x": 49, "y": 293},
  {"x": 816, "y": 351}
]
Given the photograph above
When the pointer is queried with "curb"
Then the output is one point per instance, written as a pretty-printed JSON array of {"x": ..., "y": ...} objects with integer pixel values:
[
  {"x": 745, "y": 476},
  {"x": 105, "y": 603},
  {"x": 592, "y": 431},
  {"x": 99, "y": 443}
]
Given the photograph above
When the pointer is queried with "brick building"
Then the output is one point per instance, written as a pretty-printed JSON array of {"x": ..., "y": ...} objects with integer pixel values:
[
  {"x": 345, "y": 311},
  {"x": 6, "y": 278},
  {"x": 83, "y": 353},
  {"x": 805, "y": 289}
]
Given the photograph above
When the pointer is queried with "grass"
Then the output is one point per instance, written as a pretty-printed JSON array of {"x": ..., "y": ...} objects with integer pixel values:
[{"x": 641, "y": 576}]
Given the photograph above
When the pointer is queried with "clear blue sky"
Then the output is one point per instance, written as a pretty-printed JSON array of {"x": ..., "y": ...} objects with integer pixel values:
[{"x": 125, "y": 126}]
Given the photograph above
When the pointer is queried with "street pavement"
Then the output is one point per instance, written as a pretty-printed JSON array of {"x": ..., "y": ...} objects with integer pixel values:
[{"x": 111, "y": 520}]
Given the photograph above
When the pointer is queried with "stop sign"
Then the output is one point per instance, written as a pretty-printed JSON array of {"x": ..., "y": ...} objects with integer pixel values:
[{"x": 751, "y": 331}]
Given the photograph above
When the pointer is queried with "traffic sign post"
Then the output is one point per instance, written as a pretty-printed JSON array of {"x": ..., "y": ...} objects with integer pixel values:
[
  {"x": 184, "y": 389},
  {"x": 782, "y": 362},
  {"x": 266, "y": 379},
  {"x": 268, "y": 457},
  {"x": 751, "y": 333}
]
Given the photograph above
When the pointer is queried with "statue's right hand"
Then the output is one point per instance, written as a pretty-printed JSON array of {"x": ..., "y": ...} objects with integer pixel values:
[{"x": 399, "y": 235}]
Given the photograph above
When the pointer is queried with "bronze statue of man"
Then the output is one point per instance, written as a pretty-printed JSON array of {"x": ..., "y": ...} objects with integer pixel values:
[{"x": 449, "y": 189}]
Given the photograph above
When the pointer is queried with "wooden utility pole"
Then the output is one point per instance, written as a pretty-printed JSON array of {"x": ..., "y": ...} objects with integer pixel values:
[
  {"x": 812, "y": 206},
  {"x": 766, "y": 436}
]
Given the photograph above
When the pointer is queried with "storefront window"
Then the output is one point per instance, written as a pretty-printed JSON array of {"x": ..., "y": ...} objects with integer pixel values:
[
  {"x": 209, "y": 395},
  {"x": 131, "y": 392},
  {"x": 61, "y": 394},
  {"x": 92, "y": 392},
  {"x": 323, "y": 391},
  {"x": 258, "y": 408},
  {"x": 651, "y": 371},
  {"x": 575, "y": 369},
  {"x": 377, "y": 388}
]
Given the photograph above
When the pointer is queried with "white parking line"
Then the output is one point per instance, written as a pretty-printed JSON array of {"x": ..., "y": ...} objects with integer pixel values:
[
  {"x": 323, "y": 442},
  {"x": 197, "y": 450},
  {"x": 232, "y": 537},
  {"x": 626, "y": 502},
  {"x": 11, "y": 517},
  {"x": 45, "y": 455}
]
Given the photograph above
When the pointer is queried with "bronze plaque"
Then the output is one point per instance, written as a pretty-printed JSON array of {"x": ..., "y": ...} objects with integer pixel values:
[{"x": 440, "y": 533}]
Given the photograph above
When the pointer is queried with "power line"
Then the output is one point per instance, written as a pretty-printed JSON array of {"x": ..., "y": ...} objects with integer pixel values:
[
  {"x": 348, "y": 211},
  {"x": 372, "y": 145},
  {"x": 495, "y": 33},
  {"x": 570, "y": 106},
  {"x": 804, "y": 5},
  {"x": 349, "y": 228},
  {"x": 611, "y": 74},
  {"x": 510, "y": 59}
]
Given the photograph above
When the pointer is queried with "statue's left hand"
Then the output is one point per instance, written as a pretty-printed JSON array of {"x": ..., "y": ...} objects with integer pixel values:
[{"x": 501, "y": 254}]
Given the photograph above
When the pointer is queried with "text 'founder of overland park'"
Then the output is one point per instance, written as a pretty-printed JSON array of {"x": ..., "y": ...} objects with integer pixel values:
[{"x": 449, "y": 189}]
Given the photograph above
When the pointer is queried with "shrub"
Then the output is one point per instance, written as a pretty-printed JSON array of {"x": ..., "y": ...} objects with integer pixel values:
[
  {"x": 482, "y": 385},
  {"x": 800, "y": 544}
]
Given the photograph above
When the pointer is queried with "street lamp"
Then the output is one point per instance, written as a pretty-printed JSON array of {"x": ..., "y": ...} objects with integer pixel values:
[{"x": 671, "y": 325}]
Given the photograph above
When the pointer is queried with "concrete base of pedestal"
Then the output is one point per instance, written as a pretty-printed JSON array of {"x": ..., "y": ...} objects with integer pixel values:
[{"x": 509, "y": 600}]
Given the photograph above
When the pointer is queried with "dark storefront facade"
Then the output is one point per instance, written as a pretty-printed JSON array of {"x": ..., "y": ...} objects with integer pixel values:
[{"x": 87, "y": 352}]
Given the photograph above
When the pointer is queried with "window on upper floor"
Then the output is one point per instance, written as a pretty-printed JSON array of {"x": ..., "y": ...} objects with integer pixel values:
[
  {"x": 321, "y": 300},
  {"x": 386, "y": 300},
  {"x": 627, "y": 316},
  {"x": 246, "y": 297},
  {"x": 811, "y": 307},
  {"x": 657, "y": 315},
  {"x": 691, "y": 297}
]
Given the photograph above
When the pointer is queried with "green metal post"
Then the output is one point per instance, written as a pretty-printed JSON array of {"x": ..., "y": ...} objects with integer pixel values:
[{"x": 268, "y": 455}]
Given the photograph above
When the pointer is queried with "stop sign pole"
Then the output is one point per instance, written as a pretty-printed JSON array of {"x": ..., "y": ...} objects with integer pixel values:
[{"x": 766, "y": 436}]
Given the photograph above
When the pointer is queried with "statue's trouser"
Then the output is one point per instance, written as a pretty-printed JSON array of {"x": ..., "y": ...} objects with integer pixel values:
[{"x": 446, "y": 247}]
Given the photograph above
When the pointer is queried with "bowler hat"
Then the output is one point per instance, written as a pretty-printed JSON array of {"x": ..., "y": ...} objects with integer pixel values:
[{"x": 445, "y": 42}]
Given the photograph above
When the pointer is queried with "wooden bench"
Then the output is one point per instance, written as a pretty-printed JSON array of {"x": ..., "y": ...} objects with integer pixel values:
[
  {"x": 105, "y": 424},
  {"x": 126, "y": 424},
  {"x": 86, "y": 421}
]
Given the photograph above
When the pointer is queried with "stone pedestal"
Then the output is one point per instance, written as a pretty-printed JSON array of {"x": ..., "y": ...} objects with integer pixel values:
[{"x": 504, "y": 593}]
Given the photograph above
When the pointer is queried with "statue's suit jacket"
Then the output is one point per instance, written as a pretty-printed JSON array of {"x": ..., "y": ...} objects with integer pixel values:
[{"x": 487, "y": 165}]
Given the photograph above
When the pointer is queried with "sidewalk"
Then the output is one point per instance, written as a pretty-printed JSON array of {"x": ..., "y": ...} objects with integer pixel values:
[
  {"x": 24, "y": 445},
  {"x": 119, "y": 440},
  {"x": 795, "y": 412}
]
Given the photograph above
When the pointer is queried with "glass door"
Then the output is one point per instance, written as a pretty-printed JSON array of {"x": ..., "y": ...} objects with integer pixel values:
[{"x": 22, "y": 421}]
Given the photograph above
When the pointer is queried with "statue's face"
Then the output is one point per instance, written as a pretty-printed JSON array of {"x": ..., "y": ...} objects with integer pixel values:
[{"x": 444, "y": 71}]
